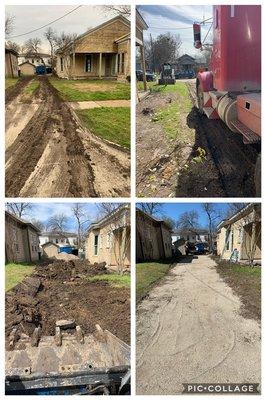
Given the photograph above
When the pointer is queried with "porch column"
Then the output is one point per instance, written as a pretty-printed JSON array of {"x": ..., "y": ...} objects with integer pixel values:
[
  {"x": 73, "y": 61},
  {"x": 116, "y": 64},
  {"x": 100, "y": 65}
]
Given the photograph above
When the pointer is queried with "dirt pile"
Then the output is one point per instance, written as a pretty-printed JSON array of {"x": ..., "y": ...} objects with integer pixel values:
[{"x": 63, "y": 292}]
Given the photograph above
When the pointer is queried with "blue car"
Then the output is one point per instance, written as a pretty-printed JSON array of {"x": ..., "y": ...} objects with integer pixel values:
[{"x": 199, "y": 248}]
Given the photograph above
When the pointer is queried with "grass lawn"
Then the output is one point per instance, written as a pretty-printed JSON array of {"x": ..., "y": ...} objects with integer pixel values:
[
  {"x": 111, "y": 123},
  {"x": 115, "y": 280},
  {"x": 147, "y": 274},
  {"x": 246, "y": 283},
  {"x": 15, "y": 273},
  {"x": 172, "y": 115},
  {"x": 91, "y": 90},
  {"x": 10, "y": 82}
]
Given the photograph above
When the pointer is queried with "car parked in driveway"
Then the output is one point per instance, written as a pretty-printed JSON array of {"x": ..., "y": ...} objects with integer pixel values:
[
  {"x": 185, "y": 74},
  {"x": 150, "y": 77},
  {"x": 200, "y": 248}
]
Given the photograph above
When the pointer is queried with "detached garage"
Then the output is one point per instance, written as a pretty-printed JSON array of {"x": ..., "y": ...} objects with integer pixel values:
[
  {"x": 27, "y": 69},
  {"x": 50, "y": 250}
]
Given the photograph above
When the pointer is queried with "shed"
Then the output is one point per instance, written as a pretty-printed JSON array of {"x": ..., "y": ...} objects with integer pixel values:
[
  {"x": 26, "y": 68},
  {"x": 50, "y": 249},
  {"x": 11, "y": 63}
]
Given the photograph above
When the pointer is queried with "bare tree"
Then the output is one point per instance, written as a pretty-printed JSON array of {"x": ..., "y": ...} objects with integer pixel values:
[
  {"x": 20, "y": 209},
  {"x": 151, "y": 208},
  {"x": 38, "y": 223},
  {"x": 50, "y": 36},
  {"x": 33, "y": 46},
  {"x": 213, "y": 215},
  {"x": 13, "y": 46},
  {"x": 188, "y": 220},
  {"x": 9, "y": 24},
  {"x": 105, "y": 209},
  {"x": 58, "y": 223},
  {"x": 169, "y": 221},
  {"x": 65, "y": 46},
  {"x": 165, "y": 49},
  {"x": 124, "y": 9},
  {"x": 82, "y": 220}
]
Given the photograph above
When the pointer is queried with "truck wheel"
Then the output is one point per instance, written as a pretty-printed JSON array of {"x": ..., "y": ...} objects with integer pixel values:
[
  {"x": 200, "y": 100},
  {"x": 257, "y": 176}
]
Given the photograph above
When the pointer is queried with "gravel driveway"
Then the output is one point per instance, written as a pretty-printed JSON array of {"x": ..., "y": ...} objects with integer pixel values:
[{"x": 189, "y": 330}]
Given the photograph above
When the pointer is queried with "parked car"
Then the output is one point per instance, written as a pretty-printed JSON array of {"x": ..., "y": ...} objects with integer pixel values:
[
  {"x": 185, "y": 74},
  {"x": 200, "y": 248},
  {"x": 150, "y": 77}
]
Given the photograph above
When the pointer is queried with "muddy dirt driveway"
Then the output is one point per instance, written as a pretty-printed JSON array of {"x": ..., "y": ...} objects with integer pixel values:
[
  {"x": 49, "y": 154},
  {"x": 190, "y": 330}
]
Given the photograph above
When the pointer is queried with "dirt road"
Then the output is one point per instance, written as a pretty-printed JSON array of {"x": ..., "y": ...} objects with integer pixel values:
[
  {"x": 189, "y": 330},
  {"x": 49, "y": 154},
  {"x": 166, "y": 166}
]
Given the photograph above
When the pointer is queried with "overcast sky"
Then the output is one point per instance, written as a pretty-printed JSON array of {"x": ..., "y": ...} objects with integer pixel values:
[
  {"x": 27, "y": 18},
  {"x": 162, "y": 19}
]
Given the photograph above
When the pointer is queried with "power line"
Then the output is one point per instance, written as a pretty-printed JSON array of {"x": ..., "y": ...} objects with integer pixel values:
[
  {"x": 44, "y": 26},
  {"x": 179, "y": 28}
]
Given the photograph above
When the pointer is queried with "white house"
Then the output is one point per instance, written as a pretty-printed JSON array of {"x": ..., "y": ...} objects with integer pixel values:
[
  {"x": 191, "y": 235},
  {"x": 60, "y": 238},
  {"x": 35, "y": 59}
]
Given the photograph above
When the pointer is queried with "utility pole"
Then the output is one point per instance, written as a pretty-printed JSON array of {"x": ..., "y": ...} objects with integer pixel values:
[{"x": 152, "y": 54}]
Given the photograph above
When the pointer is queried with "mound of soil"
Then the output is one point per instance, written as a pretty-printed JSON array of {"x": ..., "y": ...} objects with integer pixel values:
[{"x": 62, "y": 295}]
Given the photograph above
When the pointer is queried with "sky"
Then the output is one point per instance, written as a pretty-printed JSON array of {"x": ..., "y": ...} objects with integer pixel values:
[
  {"x": 43, "y": 211},
  {"x": 174, "y": 210},
  {"x": 27, "y": 18},
  {"x": 163, "y": 19}
]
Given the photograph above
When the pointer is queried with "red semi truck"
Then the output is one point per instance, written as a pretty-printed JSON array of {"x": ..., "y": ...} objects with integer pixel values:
[{"x": 230, "y": 90}]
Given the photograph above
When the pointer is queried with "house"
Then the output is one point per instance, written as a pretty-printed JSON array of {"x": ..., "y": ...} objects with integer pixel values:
[
  {"x": 101, "y": 52},
  {"x": 21, "y": 240},
  {"x": 62, "y": 239},
  {"x": 27, "y": 69},
  {"x": 191, "y": 235},
  {"x": 239, "y": 236},
  {"x": 11, "y": 63},
  {"x": 187, "y": 63},
  {"x": 141, "y": 25},
  {"x": 153, "y": 237},
  {"x": 108, "y": 240},
  {"x": 35, "y": 59}
]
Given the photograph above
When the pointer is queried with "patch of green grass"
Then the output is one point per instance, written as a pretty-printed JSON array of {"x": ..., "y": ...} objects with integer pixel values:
[
  {"x": 115, "y": 280},
  {"x": 108, "y": 90},
  {"x": 111, "y": 123},
  {"x": 170, "y": 115},
  {"x": 147, "y": 274},
  {"x": 15, "y": 273},
  {"x": 31, "y": 88},
  {"x": 9, "y": 82}
]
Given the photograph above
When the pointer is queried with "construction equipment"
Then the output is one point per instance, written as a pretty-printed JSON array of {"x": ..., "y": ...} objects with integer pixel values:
[
  {"x": 167, "y": 76},
  {"x": 230, "y": 90},
  {"x": 69, "y": 362}
]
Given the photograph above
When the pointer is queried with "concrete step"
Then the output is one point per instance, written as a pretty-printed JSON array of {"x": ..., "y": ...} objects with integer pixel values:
[
  {"x": 211, "y": 113},
  {"x": 248, "y": 135}
]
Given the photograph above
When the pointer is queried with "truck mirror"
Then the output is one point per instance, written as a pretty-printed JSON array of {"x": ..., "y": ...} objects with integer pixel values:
[{"x": 197, "y": 36}]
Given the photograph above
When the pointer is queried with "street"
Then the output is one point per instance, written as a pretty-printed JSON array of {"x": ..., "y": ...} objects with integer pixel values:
[{"x": 189, "y": 330}]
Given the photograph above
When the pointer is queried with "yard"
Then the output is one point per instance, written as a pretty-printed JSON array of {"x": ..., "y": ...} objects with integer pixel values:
[
  {"x": 9, "y": 82},
  {"x": 148, "y": 274},
  {"x": 110, "y": 123},
  {"x": 246, "y": 283},
  {"x": 15, "y": 273},
  {"x": 91, "y": 89}
]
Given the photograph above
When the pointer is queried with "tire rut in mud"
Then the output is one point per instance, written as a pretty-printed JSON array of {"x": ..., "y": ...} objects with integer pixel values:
[
  {"x": 53, "y": 114},
  {"x": 12, "y": 92}
]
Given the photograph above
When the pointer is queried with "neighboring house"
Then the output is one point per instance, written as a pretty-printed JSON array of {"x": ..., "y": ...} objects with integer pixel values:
[
  {"x": 50, "y": 249},
  {"x": 188, "y": 63},
  {"x": 27, "y": 69},
  {"x": 240, "y": 235},
  {"x": 191, "y": 235},
  {"x": 62, "y": 239},
  {"x": 153, "y": 237},
  {"x": 141, "y": 25},
  {"x": 108, "y": 240},
  {"x": 101, "y": 52},
  {"x": 35, "y": 58},
  {"x": 21, "y": 240},
  {"x": 11, "y": 63}
]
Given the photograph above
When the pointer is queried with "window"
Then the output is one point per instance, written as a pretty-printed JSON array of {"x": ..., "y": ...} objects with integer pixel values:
[
  {"x": 61, "y": 64},
  {"x": 88, "y": 64},
  {"x": 96, "y": 240},
  {"x": 227, "y": 239},
  {"x": 32, "y": 61},
  {"x": 56, "y": 241}
]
